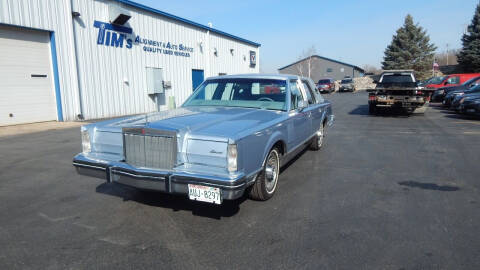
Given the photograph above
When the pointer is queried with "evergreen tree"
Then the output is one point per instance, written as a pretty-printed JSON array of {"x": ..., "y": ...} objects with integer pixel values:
[
  {"x": 469, "y": 56},
  {"x": 410, "y": 49}
]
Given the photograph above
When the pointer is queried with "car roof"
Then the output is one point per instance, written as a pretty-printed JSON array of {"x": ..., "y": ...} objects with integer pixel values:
[{"x": 257, "y": 76}]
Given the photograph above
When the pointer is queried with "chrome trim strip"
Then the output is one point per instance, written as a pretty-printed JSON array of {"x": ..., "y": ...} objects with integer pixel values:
[{"x": 88, "y": 166}]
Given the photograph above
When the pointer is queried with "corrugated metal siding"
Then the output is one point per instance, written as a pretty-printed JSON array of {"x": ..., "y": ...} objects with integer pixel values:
[
  {"x": 103, "y": 69},
  {"x": 319, "y": 69},
  {"x": 49, "y": 15}
]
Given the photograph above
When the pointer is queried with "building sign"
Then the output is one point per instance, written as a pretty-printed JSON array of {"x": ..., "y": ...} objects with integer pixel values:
[
  {"x": 253, "y": 58},
  {"x": 118, "y": 36}
]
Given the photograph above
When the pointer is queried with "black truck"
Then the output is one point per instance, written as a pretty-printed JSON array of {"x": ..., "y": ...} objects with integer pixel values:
[{"x": 398, "y": 89}]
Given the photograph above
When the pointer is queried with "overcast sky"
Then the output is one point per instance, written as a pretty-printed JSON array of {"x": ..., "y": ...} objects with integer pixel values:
[{"x": 355, "y": 32}]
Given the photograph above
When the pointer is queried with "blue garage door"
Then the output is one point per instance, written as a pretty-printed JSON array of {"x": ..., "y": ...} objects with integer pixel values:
[{"x": 197, "y": 78}]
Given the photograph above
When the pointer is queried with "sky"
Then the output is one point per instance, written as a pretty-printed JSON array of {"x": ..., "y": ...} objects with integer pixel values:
[{"x": 355, "y": 32}]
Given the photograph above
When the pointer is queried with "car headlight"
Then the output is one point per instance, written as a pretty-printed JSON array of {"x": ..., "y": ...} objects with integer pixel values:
[
  {"x": 232, "y": 155},
  {"x": 86, "y": 146},
  {"x": 440, "y": 92}
]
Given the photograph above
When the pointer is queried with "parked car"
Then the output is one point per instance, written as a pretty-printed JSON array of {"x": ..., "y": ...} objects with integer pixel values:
[
  {"x": 453, "y": 80},
  {"x": 326, "y": 85},
  {"x": 450, "y": 97},
  {"x": 461, "y": 97},
  {"x": 440, "y": 94},
  {"x": 431, "y": 80},
  {"x": 470, "y": 106},
  {"x": 347, "y": 85},
  {"x": 231, "y": 136}
]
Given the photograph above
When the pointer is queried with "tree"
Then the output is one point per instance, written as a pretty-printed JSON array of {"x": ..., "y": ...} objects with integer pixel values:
[
  {"x": 305, "y": 67},
  {"x": 469, "y": 56},
  {"x": 410, "y": 49}
]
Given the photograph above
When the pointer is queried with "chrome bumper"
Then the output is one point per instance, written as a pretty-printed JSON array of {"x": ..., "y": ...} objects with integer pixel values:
[{"x": 164, "y": 181}]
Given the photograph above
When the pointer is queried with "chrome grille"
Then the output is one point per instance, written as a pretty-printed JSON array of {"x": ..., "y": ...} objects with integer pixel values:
[{"x": 150, "y": 148}]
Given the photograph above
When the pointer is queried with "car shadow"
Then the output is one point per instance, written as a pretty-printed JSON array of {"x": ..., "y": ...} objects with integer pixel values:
[
  {"x": 392, "y": 113},
  {"x": 455, "y": 115},
  {"x": 228, "y": 208}
]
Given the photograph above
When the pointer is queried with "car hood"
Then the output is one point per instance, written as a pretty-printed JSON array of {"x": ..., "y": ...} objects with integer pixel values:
[
  {"x": 453, "y": 88},
  {"x": 225, "y": 122}
]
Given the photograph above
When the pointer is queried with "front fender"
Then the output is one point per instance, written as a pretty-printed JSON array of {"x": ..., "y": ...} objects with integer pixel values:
[{"x": 274, "y": 138}]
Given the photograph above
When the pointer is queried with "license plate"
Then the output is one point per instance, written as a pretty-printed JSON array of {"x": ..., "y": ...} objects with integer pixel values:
[{"x": 204, "y": 194}]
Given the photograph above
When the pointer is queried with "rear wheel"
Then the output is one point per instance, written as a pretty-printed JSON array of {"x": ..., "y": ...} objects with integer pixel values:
[
  {"x": 372, "y": 108},
  {"x": 318, "y": 139},
  {"x": 266, "y": 183}
]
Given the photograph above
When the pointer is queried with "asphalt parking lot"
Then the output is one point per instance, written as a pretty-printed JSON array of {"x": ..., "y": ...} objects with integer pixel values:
[{"x": 385, "y": 192}]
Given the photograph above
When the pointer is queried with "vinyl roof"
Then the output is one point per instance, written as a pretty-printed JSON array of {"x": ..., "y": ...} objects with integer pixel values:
[
  {"x": 324, "y": 58},
  {"x": 173, "y": 17}
]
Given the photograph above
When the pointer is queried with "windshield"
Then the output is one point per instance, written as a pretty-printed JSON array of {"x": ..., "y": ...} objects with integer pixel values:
[
  {"x": 397, "y": 78},
  {"x": 473, "y": 81},
  {"x": 347, "y": 81},
  {"x": 436, "y": 80},
  {"x": 247, "y": 93},
  {"x": 474, "y": 89}
]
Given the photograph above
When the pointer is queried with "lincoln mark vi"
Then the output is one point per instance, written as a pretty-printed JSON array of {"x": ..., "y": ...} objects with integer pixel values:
[{"x": 230, "y": 137}]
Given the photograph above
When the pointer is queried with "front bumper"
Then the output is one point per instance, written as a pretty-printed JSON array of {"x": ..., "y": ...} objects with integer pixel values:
[
  {"x": 469, "y": 108},
  {"x": 437, "y": 97},
  {"x": 175, "y": 182}
]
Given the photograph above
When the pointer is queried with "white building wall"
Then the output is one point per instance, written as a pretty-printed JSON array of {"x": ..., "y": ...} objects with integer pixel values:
[
  {"x": 50, "y": 15},
  {"x": 104, "y": 92},
  {"x": 112, "y": 81}
]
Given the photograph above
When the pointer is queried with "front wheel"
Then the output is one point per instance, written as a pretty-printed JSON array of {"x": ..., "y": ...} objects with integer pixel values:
[{"x": 266, "y": 183}]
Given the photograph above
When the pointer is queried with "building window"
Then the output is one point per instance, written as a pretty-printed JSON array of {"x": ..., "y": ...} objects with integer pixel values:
[{"x": 329, "y": 70}]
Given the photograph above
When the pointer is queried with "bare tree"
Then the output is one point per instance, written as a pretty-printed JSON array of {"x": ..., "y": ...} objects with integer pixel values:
[
  {"x": 306, "y": 67},
  {"x": 448, "y": 57},
  {"x": 371, "y": 69}
]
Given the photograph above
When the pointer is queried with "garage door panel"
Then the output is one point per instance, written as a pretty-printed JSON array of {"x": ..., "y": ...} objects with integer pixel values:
[{"x": 25, "y": 99}]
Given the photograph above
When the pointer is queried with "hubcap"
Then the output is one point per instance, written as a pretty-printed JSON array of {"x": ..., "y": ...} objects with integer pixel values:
[
  {"x": 320, "y": 135},
  {"x": 271, "y": 171}
]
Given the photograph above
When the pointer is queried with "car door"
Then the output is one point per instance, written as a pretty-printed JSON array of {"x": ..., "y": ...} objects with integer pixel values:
[
  {"x": 313, "y": 111},
  {"x": 299, "y": 125}
]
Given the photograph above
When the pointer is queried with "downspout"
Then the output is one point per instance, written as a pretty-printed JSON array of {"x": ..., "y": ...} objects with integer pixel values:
[
  {"x": 80, "y": 116},
  {"x": 207, "y": 52}
]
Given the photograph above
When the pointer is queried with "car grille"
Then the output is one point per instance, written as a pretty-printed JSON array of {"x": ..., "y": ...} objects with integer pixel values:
[{"x": 150, "y": 148}]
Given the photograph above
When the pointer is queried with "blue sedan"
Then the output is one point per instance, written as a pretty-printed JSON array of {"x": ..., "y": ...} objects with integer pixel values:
[{"x": 231, "y": 136}]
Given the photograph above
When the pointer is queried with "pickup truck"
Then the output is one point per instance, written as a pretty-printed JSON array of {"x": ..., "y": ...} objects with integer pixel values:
[{"x": 398, "y": 89}]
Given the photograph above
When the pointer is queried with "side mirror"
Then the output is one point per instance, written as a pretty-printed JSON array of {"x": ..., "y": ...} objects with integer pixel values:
[
  {"x": 445, "y": 83},
  {"x": 302, "y": 104}
]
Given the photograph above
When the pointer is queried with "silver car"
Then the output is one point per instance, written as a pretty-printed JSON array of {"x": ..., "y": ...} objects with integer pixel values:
[{"x": 231, "y": 136}]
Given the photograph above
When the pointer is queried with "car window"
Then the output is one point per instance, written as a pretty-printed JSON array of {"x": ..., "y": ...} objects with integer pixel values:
[
  {"x": 453, "y": 80},
  {"x": 241, "y": 92},
  {"x": 309, "y": 92},
  {"x": 323, "y": 81},
  {"x": 295, "y": 95}
]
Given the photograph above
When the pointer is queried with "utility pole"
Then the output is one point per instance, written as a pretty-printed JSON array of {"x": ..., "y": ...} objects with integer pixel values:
[{"x": 447, "y": 54}]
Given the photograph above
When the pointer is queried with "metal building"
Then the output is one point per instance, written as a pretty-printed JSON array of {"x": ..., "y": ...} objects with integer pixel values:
[
  {"x": 319, "y": 67},
  {"x": 85, "y": 59}
]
